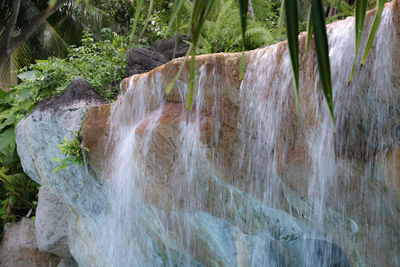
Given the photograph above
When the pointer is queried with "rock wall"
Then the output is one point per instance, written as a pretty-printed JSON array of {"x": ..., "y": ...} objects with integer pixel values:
[
  {"x": 238, "y": 180},
  {"x": 19, "y": 248}
]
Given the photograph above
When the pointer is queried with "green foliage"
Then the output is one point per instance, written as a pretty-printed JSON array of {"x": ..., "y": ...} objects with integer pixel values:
[
  {"x": 51, "y": 38},
  {"x": 139, "y": 4},
  {"x": 148, "y": 23},
  {"x": 73, "y": 153},
  {"x": 102, "y": 64},
  {"x": 343, "y": 9},
  {"x": 18, "y": 193},
  {"x": 224, "y": 33}
]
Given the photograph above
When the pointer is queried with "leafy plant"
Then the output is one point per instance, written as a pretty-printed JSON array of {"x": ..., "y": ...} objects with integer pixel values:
[
  {"x": 73, "y": 152},
  {"x": 18, "y": 193},
  {"x": 101, "y": 64}
]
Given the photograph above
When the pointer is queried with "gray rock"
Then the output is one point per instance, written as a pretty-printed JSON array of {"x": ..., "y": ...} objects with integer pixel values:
[
  {"x": 173, "y": 47},
  {"x": 68, "y": 262},
  {"x": 78, "y": 91},
  {"x": 51, "y": 224},
  {"x": 19, "y": 248},
  {"x": 140, "y": 60},
  {"x": 37, "y": 137}
]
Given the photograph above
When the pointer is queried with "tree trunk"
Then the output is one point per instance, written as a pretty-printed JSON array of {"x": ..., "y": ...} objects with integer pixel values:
[{"x": 9, "y": 43}]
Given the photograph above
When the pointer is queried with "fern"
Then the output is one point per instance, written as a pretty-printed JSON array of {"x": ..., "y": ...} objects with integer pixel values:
[
  {"x": 222, "y": 31},
  {"x": 73, "y": 153}
]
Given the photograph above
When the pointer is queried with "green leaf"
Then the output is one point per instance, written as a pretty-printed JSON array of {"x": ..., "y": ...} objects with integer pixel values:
[
  {"x": 61, "y": 167},
  {"x": 51, "y": 3},
  {"x": 175, "y": 11},
  {"x": 171, "y": 84},
  {"x": 41, "y": 61},
  {"x": 149, "y": 12},
  {"x": 322, "y": 49},
  {"x": 28, "y": 75},
  {"x": 243, "y": 10},
  {"x": 310, "y": 29},
  {"x": 4, "y": 178},
  {"x": 372, "y": 31},
  {"x": 360, "y": 12},
  {"x": 200, "y": 11},
  {"x": 189, "y": 96},
  {"x": 281, "y": 13},
  {"x": 292, "y": 23},
  {"x": 7, "y": 138},
  {"x": 139, "y": 5}
]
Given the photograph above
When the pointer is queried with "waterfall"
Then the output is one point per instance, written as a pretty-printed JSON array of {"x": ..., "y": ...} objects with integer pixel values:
[{"x": 240, "y": 180}]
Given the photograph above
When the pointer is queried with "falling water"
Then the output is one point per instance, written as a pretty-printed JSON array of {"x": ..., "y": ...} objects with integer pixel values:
[{"x": 258, "y": 187}]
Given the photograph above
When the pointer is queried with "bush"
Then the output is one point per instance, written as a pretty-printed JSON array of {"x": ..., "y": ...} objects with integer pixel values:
[{"x": 101, "y": 64}]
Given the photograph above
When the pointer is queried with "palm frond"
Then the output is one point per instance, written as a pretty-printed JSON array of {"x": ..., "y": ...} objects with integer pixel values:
[
  {"x": 51, "y": 40},
  {"x": 90, "y": 17},
  {"x": 20, "y": 58},
  {"x": 139, "y": 5},
  {"x": 177, "y": 7},
  {"x": 360, "y": 12},
  {"x": 200, "y": 11},
  {"x": 322, "y": 50},
  {"x": 373, "y": 29},
  {"x": 292, "y": 25}
]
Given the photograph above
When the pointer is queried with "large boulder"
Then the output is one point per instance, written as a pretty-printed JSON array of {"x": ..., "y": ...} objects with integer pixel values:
[
  {"x": 51, "y": 224},
  {"x": 176, "y": 46},
  {"x": 69, "y": 107},
  {"x": 140, "y": 60},
  {"x": 77, "y": 187},
  {"x": 19, "y": 248}
]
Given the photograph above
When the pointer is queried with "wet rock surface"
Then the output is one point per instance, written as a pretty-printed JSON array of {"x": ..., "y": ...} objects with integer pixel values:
[{"x": 235, "y": 181}]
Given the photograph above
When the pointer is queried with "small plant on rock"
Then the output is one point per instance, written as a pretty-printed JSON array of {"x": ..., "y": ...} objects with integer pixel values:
[{"x": 73, "y": 151}]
